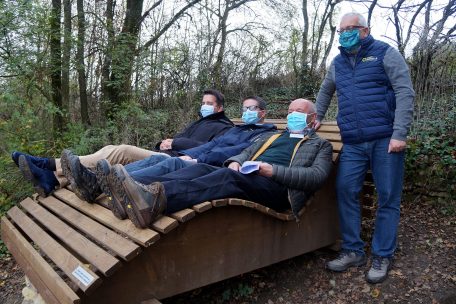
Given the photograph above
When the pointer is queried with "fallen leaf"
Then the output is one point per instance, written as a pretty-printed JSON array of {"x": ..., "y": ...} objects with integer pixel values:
[{"x": 375, "y": 292}]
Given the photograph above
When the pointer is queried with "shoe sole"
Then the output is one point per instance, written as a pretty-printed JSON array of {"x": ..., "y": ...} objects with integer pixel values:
[
  {"x": 28, "y": 175},
  {"x": 342, "y": 269},
  {"x": 118, "y": 180},
  {"x": 102, "y": 174}
]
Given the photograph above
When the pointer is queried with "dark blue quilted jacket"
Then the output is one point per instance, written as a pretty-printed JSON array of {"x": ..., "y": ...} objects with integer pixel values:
[{"x": 365, "y": 95}]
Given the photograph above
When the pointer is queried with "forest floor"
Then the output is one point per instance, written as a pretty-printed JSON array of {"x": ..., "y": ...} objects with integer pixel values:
[{"x": 424, "y": 272}]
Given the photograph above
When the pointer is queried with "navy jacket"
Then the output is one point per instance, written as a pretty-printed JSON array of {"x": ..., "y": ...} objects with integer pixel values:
[
  {"x": 199, "y": 132},
  {"x": 229, "y": 144}
]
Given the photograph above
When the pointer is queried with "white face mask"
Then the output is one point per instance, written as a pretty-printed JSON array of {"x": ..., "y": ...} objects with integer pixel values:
[{"x": 207, "y": 110}]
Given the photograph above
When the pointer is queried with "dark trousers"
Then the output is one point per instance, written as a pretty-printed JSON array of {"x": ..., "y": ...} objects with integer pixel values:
[{"x": 201, "y": 182}]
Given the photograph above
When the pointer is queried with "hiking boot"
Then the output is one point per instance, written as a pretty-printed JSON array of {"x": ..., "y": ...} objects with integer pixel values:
[
  {"x": 379, "y": 269},
  {"x": 102, "y": 172},
  {"x": 40, "y": 162},
  {"x": 345, "y": 260},
  {"x": 83, "y": 181},
  {"x": 44, "y": 181},
  {"x": 143, "y": 203}
]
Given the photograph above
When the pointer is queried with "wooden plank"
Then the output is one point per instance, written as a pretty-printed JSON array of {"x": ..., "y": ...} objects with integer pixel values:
[
  {"x": 145, "y": 237},
  {"x": 330, "y": 136},
  {"x": 103, "y": 261},
  {"x": 337, "y": 146},
  {"x": 235, "y": 202},
  {"x": 183, "y": 215},
  {"x": 165, "y": 224},
  {"x": 50, "y": 285},
  {"x": 56, "y": 252},
  {"x": 118, "y": 244},
  {"x": 220, "y": 202},
  {"x": 151, "y": 301},
  {"x": 103, "y": 200},
  {"x": 202, "y": 207}
]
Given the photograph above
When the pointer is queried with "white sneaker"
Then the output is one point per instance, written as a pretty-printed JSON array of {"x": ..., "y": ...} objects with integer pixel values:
[
  {"x": 379, "y": 269},
  {"x": 345, "y": 260}
]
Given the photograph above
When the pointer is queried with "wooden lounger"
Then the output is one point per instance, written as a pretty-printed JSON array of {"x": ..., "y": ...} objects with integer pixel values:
[{"x": 75, "y": 252}]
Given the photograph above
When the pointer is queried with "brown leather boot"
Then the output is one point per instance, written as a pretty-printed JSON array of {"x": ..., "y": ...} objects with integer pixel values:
[{"x": 143, "y": 203}]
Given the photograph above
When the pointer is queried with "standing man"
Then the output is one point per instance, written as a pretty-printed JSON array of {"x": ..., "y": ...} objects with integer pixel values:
[{"x": 375, "y": 107}]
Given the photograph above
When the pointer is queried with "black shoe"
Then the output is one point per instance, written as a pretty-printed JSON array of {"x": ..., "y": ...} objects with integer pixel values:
[
  {"x": 143, "y": 204},
  {"x": 44, "y": 181},
  {"x": 83, "y": 181},
  {"x": 102, "y": 172}
]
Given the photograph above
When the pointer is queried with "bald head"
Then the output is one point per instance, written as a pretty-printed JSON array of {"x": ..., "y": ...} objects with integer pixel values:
[{"x": 302, "y": 105}]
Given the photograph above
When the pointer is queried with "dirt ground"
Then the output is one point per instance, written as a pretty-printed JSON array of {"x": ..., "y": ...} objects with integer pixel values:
[{"x": 424, "y": 272}]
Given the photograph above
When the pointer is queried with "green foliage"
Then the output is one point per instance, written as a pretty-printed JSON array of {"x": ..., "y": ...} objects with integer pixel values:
[
  {"x": 238, "y": 293},
  {"x": 431, "y": 154}
]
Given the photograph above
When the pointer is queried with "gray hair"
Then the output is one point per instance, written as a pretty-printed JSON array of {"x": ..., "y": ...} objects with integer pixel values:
[{"x": 361, "y": 20}]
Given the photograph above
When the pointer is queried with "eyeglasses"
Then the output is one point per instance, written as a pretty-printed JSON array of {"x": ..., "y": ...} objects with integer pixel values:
[
  {"x": 251, "y": 108},
  {"x": 350, "y": 28}
]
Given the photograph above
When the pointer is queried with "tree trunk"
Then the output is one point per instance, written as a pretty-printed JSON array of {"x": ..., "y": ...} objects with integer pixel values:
[
  {"x": 80, "y": 64},
  {"x": 56, "y": 64},
  {"x": 106, "y": 69},
  {"x": 123, "y": 55},
  {"x": 66, "y": 56},
  {"x": 304, "y": 71}
]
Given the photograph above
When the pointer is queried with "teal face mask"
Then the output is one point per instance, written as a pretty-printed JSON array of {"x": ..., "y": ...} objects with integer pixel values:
[
  {"x": 296, "y": 121},
  {"x": 206, "y": 110},
  {"x": 250, "y": 117},
  {"x": 350, "y": 40}
]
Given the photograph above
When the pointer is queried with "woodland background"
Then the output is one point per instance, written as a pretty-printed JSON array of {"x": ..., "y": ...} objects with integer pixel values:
[{"x": 82, "y": 74}]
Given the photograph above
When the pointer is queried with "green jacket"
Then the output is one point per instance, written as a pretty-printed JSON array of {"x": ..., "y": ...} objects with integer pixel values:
[{"x": 310, "y": 167}]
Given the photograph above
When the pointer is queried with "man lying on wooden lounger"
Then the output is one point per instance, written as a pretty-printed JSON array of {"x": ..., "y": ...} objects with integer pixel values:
[
  {"x": 288, "y": 168},
  {"x": 48, "y": 173},
  {"x": 214, "y": 153}
]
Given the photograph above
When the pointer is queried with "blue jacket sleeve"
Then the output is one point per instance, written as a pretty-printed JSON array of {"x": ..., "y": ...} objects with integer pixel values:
[
  {"x": 196, "y": 151},
  {"x": 218, "y": 156}
]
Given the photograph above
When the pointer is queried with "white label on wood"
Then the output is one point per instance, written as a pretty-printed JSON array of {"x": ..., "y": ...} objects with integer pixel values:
[{"x": 83, "y": 276}]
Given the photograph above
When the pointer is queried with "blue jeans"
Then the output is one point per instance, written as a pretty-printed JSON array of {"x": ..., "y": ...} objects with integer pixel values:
[
  {"x": 388, "y": 173},
  {"x": 156, "y": 168},
  {"x": 145, "y": 163}
]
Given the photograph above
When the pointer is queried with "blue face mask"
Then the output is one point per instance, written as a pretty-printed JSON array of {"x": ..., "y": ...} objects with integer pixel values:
[
  {"x": 250, "y": 117},
  {"x": 206, "y": 110},
  {"x": 296, "y": 121},
  {"x": 350, "y": 40}
]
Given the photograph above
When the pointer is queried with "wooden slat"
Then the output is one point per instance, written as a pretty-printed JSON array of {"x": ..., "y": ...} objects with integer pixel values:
[
  {"x": 220, "y": 202},
  {"x": 183, "y": 215},
  {"x": 330, "y": 136},
  {"x": 145, "y": 237},
  {"x": 51, "y": 285},
  {"x": 118, "y": 244},
  {"x": 235, "y": 202},
  {"x": 103, "y": 261},
  {"x": 335, "y": 156},
  {"x": 202, "y": 207},
  {"x": 56, "y": 252},
  {"x": 165, "y": 224},
  {"x": 337, "y": 146},
  {"x": 103, "y": 200}
]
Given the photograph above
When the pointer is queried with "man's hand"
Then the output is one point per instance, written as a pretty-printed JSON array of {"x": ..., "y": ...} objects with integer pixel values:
[
  {"x": 396, "y": 145},
  {"x": 185, "y": 157},
  {"x": 234, "y": 166},
  {"x": 166, "y": 144},
  {"x": 317, "y": 124},
  {"x": 265, "y": 170}
]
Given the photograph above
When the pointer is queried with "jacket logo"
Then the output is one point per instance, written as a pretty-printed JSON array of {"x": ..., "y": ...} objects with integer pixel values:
[{"x": 370, "y": 58}]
